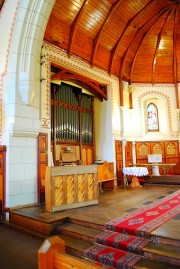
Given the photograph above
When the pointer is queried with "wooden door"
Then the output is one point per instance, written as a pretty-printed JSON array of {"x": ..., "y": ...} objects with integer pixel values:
[
  {"x": 2, "y": 180},
  {"x": 119, "y": 161},
  {"x": 128, "y": 153},
  {"x": 42, "y": 163}
]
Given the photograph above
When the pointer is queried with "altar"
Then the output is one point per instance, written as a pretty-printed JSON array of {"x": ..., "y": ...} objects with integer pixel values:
[{"x": 135, "y": 172}]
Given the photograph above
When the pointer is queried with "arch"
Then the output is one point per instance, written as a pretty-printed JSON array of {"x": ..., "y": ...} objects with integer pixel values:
[
  {"x": 25, "y": 48},
  {"x": 162, "y": 95},
  {"x": 152, "y": 117}
]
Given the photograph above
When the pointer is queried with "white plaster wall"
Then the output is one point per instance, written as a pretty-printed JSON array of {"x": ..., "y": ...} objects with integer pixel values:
[
  {"x": 25, "y": 22},
  {"x": 164, "y": 96},
  {"x": 22, "y": 171},
  {"x": 103, "y": 130},
  {"x": 6, "y": 27}
]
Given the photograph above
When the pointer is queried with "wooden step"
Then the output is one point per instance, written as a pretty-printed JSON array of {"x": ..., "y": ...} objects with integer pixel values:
[
  {"x": 99, "y": 226},
  {"x": 78, "y": 231},
  {"x": 30, "y": 223},
  {"x": 153, "y": 264},
  {"x": 169, "y": 180},
  {"x": 75, "y": 246},
  {"x": 172, "y": 240},
  {"x": 163, "y": 252},
  {"x": 23, "y": 230}
]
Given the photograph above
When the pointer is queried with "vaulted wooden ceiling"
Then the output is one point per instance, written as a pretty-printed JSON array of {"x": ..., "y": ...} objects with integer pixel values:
[
  {"x": 1, "y": 4},
  {"x": 136, "y": 40}
]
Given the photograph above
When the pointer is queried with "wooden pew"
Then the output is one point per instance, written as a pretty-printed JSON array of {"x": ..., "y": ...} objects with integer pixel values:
[{"x": 51, "y": 255}]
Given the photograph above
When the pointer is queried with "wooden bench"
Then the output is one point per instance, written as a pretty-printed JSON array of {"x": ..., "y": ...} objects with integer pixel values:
[
  {"x": 51, "y": 255},
  {"x": 106, "y": 176}
]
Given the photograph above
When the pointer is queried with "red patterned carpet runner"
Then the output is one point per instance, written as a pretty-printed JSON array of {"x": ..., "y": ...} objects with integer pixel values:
[
  {"x": 122, "y": 241},
  {"x": 143, "y": 221},
  {"x": 111, "y": 256},
  {"x": 116, "y": 246}
]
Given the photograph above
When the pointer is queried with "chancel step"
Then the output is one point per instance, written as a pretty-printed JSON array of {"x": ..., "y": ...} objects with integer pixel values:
[{"x": 169, "y": 180}]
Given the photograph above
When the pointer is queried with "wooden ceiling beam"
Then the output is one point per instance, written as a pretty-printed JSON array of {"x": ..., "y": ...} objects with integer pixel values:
[
  {"x": 175, "y": 55},
  {"x": 98, "y": 89},
  {"x": 114, "y": 50},
  {"x": 96, "y": 41},
  {"x": 149, "y": 24},
  {"x": 157, "y": 45},
  {"x": 73, "y": 27}
]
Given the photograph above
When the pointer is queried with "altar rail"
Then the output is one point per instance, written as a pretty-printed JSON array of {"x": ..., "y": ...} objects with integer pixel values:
[
  {"x": 52, "y": 255},
  {"x": 153, "y": 168},
  {"x": 69, "y": 187}
]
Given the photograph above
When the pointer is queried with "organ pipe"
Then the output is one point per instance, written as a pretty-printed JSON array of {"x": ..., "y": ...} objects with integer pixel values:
[{"x": 71, "y": 114}]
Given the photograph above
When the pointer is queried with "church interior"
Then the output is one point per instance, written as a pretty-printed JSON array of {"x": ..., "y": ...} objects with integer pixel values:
[{"x": 90, "y": 133}]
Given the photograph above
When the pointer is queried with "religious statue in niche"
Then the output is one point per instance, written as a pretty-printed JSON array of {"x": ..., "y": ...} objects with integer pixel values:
[{"x": 152, "y": 117}]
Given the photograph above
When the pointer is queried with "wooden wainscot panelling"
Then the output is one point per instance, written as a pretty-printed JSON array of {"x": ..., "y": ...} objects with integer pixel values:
[
  {"x": 142, "y": 151},
  {"x": 2, "y": 180},
  {"x": 172, "y": 155},
  {"x": 157, "y": 148},
  {"x": 42, "y": 163},
  {"x": 128, "y": 152},
  {"x": 168, "y": 149},
  {"x": 119, "y": 161},
  {"x": 87, "y": 155},
  {"x": 171, "y": 149}
]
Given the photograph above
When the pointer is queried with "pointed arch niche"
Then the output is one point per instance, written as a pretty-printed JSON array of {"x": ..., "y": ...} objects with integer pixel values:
[
  {"x": 159, "y": 107},
  {"x": 152, "y": 118}
]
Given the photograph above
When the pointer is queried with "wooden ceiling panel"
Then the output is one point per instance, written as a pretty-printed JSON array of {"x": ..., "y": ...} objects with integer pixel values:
[
  {"x": 67, "y": 10},
  {"x": 57, "y": 32},
  {"x": 93, "y": 16},
  {"x": 103, "y": 57},
  {"x": 1, "y": 3},
  {"x": 120, "y": 36},
  {"x": 82, "y": 46}
]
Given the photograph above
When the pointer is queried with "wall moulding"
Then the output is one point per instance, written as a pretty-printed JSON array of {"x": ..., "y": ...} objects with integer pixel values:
[
  {"x": 19, "y": 133},
  {"x": 74, "y": 63},
  {"x": 58, "y": 56}
]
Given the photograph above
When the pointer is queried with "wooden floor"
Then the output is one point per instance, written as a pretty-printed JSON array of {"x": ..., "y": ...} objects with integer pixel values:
[
  {"x": 112, "y": 204},
  {"x": 78, "y": 227}
]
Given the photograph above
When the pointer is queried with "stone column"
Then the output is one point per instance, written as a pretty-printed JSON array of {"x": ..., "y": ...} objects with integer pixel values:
[{"x": 134, "y": 152}]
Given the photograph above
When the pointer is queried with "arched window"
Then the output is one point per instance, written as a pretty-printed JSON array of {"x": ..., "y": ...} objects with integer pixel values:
[{"x": 152, "y": 117}]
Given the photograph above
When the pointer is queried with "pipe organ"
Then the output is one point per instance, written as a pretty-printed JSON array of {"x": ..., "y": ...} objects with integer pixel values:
[{"x": 72, "y": 114}]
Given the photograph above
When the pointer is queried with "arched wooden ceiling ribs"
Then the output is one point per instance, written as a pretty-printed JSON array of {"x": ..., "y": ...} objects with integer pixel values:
[
  {"x": 174, "y": 45},
  {"x": 96, "y": 41},
  {"x": 175, "y": 56},
  {"x": 1, "y": 4},
  {"x": 114, "y": 50},
  {"x": 158, "y": 43},
  {"x": 73, "y": 27},
  {"x": 122, "y": 37},
  {"x": 149, "y": 25}
]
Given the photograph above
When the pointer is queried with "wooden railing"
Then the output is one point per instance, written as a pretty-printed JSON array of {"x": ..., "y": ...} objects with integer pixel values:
[{"x": 51, "y": 255}]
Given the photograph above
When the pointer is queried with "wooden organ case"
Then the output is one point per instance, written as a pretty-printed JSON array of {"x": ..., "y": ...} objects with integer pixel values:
[{"x": 69, "y": 187}]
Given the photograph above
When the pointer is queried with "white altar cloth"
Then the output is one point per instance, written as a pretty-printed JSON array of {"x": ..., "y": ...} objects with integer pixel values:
[{"x": 135, "y": 171}]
